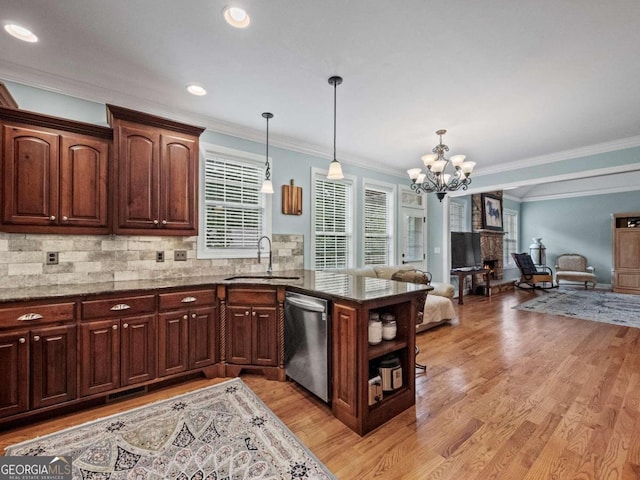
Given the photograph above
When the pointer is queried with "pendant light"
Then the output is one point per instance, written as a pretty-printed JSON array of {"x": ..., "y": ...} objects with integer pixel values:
[
  {"x": 267, "y": 186},
  {"x": 335, "y": 170}
]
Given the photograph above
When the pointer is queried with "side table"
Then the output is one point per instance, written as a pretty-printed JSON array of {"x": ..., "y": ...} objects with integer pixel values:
[{"x": 462, "y": 273}]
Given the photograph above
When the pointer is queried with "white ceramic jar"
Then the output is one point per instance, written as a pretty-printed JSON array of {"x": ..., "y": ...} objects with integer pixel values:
[
  {"x": 375, "y": 329},
  {"x": 389, "y": 326}
]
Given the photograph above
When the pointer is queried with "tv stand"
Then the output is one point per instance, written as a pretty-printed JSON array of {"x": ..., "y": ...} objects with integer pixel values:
[{"x": 461, "y": 273}]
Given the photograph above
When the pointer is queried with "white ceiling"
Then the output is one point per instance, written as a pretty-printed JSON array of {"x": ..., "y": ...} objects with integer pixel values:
[{"x": 510, "y": 80}]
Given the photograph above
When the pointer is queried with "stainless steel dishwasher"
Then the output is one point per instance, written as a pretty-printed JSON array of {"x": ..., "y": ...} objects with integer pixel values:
[{"x": 306, "y": 345}]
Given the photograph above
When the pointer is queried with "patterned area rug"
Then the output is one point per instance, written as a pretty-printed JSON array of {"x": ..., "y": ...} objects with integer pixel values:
[
  {"x": 219, "y": 432},
  {"x": 606, "y": 307}
]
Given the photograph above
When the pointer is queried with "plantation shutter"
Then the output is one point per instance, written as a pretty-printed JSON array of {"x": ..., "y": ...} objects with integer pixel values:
[
  {"x": 233, "y": 202},
  {"x": 456, "y": 217},
  {"x": 332, "y": 224},
  {"x": 377, "y": 227},
  {"x": 511, "y": 236}
]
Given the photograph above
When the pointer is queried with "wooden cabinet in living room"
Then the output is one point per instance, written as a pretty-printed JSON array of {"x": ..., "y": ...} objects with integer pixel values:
[
  {"x": 155, "y": 173},
  {"x": 55, "y": 174},
  {"x": 118, "y": 343},
  {"x": 187, "y": 333},
  {"x": 626, "y": 252},
  {"x": 37, "y": 356},
  {"x": 254, "y": 326}
]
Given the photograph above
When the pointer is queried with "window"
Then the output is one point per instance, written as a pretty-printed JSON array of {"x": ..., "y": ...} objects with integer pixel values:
[
  {"x": 510, "y": 218},
  {"x": 378, "y": 224},
  {"x": 456, "y": 217},
  {"x": 235, "y": 214},
  {"x": 332, "y": 222}
]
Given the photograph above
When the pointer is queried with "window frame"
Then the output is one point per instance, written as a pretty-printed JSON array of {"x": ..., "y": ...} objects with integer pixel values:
[
  {"x": 390, "y": 190},
  {"x": 248, "y": 158},
  {"x": 350, "y": 182},
  {"x": 462, "y": 206},
  {"x": 507, "y": 260}
]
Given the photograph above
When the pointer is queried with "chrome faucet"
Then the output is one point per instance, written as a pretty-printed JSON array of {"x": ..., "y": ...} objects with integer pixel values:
[{"x": 270, "y": 267}]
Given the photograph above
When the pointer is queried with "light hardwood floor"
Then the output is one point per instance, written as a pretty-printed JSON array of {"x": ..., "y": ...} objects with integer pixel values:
[{"x": 507, "y": 395}]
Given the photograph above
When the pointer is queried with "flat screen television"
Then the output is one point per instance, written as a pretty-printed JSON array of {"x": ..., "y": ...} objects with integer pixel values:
[{"x": 465, "y": 250}]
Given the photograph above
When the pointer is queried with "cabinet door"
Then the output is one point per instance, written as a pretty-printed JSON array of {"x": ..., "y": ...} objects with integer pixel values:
[
  {"x": 83, "y": 181},
  {"x": 14, "y": 372},
  {"x": 264, "y": 336},
  {"x": 99, "y": 357},
  {"x": 239, "y": 335},
  {"x": 30, "y": 170},
  {"x": 137, "y": 349},
  {"x": 627, "y": 248},
  {"x": 202, "y": 337},
  {"x": 138, "y": 182},
  {"x": 345, "y": 362},
  {"x": 178, "y": 183},
  {"x": 173, "y": 342},
  {"x": 53, "y": 365}
]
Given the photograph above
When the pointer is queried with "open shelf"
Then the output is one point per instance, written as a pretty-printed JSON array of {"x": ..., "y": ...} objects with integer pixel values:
[{"x": 386, "y": 347}]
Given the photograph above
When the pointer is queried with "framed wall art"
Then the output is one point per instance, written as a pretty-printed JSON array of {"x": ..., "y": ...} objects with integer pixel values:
[{"x": 491, "y": 212}]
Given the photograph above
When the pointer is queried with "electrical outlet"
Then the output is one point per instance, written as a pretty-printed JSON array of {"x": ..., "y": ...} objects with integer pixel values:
[
  {"x": 180, "y": 255},
  {"x": 52, "y": 258},
  {"x": 160, "y": 256}
]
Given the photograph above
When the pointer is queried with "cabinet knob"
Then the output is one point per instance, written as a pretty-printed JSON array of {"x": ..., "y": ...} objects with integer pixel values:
[
  {"x": 36, "y": 338},
  {"x": 52, "y": 218},
  {"x": 254, "y": 314},
  {"x": 65, "y": 218},
  {"x": 185, "y": 317},
  {"x": 247, "y": 312},
  {"x": 155, "y": 222},
  {"x": 164, "y": 222},
  {"x": 193, "y": 315},
  {"x": 21, "y": 340},
  {"x": 126, "y": 325},
  {"x": 115, "y": 327}
]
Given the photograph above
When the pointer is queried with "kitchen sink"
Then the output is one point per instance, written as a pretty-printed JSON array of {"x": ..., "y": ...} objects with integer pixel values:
[{"x": 261, "y": 277}]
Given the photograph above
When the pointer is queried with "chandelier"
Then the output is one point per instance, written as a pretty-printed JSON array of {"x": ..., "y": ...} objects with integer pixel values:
[{"x": 435, "y": 179}]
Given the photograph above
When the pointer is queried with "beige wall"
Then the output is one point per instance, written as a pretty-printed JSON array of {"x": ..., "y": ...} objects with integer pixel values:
[{"x": 96, "y": 259}]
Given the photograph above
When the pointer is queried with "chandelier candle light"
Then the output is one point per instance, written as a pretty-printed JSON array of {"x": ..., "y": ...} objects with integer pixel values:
[
  {"x": 267, "y": 186},
  {"x": 435, "y": 179}
]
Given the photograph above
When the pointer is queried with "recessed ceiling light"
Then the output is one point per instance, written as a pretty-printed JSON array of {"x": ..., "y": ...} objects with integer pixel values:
[
  {"x": 195, "y": 89},
  {"x": 20, "y": 33},
  {"x": 236, "y": 17}
]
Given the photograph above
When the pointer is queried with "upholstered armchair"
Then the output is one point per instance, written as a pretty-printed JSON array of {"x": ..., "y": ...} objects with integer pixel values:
[{"x": 572, "y": 267}]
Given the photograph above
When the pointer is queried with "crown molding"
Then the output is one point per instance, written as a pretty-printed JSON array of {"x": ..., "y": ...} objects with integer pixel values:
[{"x": 583, "y": 193}]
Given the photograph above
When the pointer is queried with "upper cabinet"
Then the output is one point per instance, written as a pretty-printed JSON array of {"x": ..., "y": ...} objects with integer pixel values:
[
  {"x": 155, "y": 172},
  {"x": 55, "y": 174}
]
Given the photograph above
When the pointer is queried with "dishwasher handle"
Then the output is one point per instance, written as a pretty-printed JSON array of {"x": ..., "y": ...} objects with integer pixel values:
[{"x": 306, "y": 305}]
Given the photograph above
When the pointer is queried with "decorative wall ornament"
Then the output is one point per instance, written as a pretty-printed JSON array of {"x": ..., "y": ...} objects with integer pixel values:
[{"x": 291, "y": 199}]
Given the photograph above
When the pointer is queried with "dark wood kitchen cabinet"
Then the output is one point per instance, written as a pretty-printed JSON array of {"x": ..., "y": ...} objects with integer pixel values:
[
  {"x": 254, "y": 325},
  {"x": 55, "y": 174},
  {"x": 187, "y": 333},
  {"x": 118, "y": 343},
  {"x": 156, "y": 174},
  {"x": 37, "y": 356}
]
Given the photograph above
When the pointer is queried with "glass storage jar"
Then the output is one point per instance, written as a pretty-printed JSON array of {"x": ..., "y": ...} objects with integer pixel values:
[
  {"x": 375, "y": 329},
  {"x": 389, "y": 326}
]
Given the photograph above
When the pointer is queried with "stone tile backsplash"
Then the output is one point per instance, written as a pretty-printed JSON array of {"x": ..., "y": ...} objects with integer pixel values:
[{"x": 96, "y": 259}]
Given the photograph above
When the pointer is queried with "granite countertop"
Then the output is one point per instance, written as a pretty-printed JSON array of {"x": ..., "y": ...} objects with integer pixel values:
[{"x": 329, "y": 284}]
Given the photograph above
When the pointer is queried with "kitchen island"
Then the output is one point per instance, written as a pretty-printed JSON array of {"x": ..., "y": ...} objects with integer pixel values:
[{"x": 69, "y": 345}]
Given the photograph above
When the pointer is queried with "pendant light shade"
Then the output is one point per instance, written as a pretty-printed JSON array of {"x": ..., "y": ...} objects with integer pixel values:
[
  {"x": 267, "y": 186},
  {"x": 335, "y": 169}
]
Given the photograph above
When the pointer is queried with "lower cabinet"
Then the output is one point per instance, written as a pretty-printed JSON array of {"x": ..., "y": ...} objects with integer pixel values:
[
  {"x": 117, "y": 349},
  {"x": 37, "y": 356},
  {"x": 187, "y": 332}
]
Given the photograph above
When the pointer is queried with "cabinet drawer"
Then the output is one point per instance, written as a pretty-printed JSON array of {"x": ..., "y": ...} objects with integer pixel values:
[
  {"x": 118, "y": 307},
  {"x": 252, "y": 296},
  {"x": 187, "y": 298},
  {"x": 24, "y": 316}
]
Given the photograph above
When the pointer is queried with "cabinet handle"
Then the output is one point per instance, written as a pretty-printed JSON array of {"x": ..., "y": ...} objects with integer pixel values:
[
  {"x": 21, "y": 340},
  {"x": 120, "y": 306},
  {"x": 29, "y": 316},
  {"x": 126, "y": 325},
  {"x": 164, "y": 222},
  {"x": 185, "y": 317},
  {"x": 115, "y": 327},
  {"x": 193, "y": 315},
  {"x": 65, "y": 218},
  {"x": 52, "y": 218},
  {"x": 36, "y": 338},
  {"x": 188, "y": 299},
  {"x": 155, "y": 222}
]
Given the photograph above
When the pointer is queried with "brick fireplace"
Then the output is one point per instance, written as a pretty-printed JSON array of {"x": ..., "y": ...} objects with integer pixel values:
[{"x": 491, "y": 241}]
